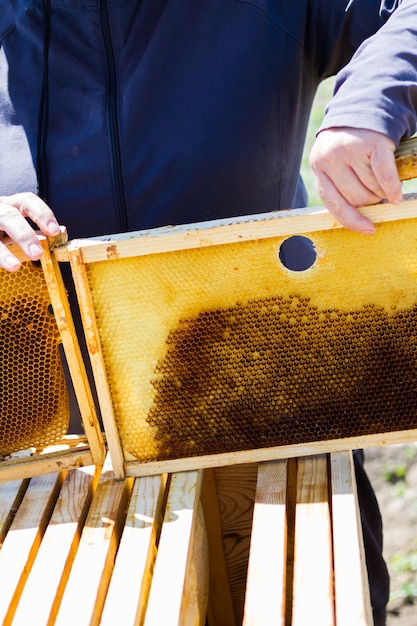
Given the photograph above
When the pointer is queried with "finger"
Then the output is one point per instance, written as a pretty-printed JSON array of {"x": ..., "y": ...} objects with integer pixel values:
[
  {"x": 365, "y": 175},
  {"x": 383, "y": 165},
  {"x": 30, "y": 205},
  {"x": 345, "y": 213},
  {"x": 18, "y": 229},
  {"x": 355, "y": 192},
  {"x": 7, "y": 260}
]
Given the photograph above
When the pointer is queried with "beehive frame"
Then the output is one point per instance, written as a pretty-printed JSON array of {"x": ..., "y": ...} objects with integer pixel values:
[
  {"x": 323, "y": 296},
  {"x": 35, "y": 320}
]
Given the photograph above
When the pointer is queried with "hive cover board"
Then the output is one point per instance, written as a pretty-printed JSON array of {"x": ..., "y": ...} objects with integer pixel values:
[{"x": 204, "y": 343}]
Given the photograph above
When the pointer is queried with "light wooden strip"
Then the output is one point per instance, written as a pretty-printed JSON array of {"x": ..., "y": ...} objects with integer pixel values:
[
  {"x": 44, "y": 464},
  {"x": 313, "y": 572},
  {"x": 265, "y": 597},
  {"x": 220, "y": 611},
  {"x": 174, "y": 598},
  {"x": 132, "y": 575},
  {"x": 84, "y": 594},
  {"x": 351, "y": 581},
  {"x": 219, "y": 232},
  {"x": 236, "y": 487},
  {"x": 92, "y": 337},
  {"x": 133, "y": 468},
  {"x": 23, "y": 539},
  {"x": 11, "y": 495},
  {"x": 63, "y": 317},
  {"x": 406, "y": 160},
  {"x": 43, "y": 590}
]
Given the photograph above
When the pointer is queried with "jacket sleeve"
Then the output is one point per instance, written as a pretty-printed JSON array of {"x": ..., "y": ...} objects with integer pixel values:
[
  {"x": 377, "y": 90},
  {"x": 334, "y": 30}
]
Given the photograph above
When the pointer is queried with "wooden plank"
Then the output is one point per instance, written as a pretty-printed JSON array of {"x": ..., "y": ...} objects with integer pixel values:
[
  {"x": 313, "y": 569},
  {"x": 179, "y": 585},
  {"x": 236, "y": 486},
  {"x": 351, "y": 581},
  {"x": 63, "y": 317},
  {"x": 265, "y": 588},
  {"x": 244, "y": 457},
  {"x": 220, "y": 610},
  {"x": 44, "y": 464},
  {"x": 43, "y": 590},
  {"x": 11, "y": 495},
  {"x": 132, "y": 574},
  {"x": 220, "y": 232},
  {"x": 23, "y": 539},
  {"x": 92, "y": 338},
  {"x": 84, "y": 594}
]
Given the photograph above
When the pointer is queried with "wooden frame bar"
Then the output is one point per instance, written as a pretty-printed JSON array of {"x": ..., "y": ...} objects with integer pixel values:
[{"x": 69, "y": 452}]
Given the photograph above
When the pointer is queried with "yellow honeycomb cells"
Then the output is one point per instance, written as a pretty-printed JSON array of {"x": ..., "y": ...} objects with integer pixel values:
[
  {"x": 34, "y": 407},
  {"x": 217, "y": 349}
]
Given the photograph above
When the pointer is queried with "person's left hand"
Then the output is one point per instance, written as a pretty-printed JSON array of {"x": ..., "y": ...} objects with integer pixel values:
[{"x": 354, "y": 167}]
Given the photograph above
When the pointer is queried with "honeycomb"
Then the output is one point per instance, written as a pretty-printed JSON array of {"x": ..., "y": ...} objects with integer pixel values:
[
  {"x": 222, "y": 348},
  {"x": 34, "y": 406}
]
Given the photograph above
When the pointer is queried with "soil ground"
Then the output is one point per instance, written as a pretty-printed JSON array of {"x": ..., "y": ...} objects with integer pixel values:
[{"x": 393, "y": 473}]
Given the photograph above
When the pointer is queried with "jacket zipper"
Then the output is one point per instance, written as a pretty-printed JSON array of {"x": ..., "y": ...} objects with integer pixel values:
[{"x": 121, "y": 205}]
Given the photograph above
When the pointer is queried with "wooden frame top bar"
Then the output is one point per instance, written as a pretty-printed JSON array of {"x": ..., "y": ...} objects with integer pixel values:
[{"x": 225, "y": 231}]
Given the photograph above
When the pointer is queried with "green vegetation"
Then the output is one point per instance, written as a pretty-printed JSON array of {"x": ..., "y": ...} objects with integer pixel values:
[{"x": 322, "y": 97}]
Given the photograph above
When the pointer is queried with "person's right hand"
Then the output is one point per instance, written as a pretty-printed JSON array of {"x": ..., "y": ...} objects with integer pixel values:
[
  {"x": 13, "y": 211},
  {"x": 354, "y": 167}
]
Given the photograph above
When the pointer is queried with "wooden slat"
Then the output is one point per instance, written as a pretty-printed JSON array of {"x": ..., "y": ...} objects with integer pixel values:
[
  {"x": 245, "y": 457},
  {"x": 63, "y": 317},
  {"x": 92, "y": 338},
  {"x": 132, "y": 575},
  {"x": 43, "y": 590},
  {"x": 220, "y": 232},
  {"x": 44, "y": 464},
  {"x": 313, "y": 570},
  {"x": 220, "y": 610},
  {"x": 265, "y": 597},
  {"x": 11, "y": 494},
  {"x": 351, "y": 582},
  {"x": 23, "y": 539},
  {"x": 88, "y": 581},
  {"x": 236, "y": 486},
  {"x": 179, "y": 585}
]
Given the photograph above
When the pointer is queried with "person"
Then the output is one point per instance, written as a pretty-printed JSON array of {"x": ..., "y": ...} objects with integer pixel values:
[{"x": 126, "y": 115}]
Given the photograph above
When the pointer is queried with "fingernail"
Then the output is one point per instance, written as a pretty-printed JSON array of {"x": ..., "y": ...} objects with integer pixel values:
[
  {"x": 35, "y": 250},
  {"x": 11, "y": 262},
  {"x": 53, "y": 228}
]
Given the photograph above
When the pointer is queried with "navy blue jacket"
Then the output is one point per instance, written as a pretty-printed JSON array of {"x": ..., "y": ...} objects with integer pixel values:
[{"x": 166, "y": 111}]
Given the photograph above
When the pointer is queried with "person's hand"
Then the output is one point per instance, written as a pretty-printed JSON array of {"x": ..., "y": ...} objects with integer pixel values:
[
  {"x": 354, "y": 167},
  {"x": 13, "y": 210}
]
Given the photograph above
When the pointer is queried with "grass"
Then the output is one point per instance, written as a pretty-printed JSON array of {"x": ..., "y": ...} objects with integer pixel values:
[{"x": 322, "y": 97}]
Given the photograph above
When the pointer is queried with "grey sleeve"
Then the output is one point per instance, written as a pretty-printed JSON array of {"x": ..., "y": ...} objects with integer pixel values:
[{"x": 377, "y": 90}]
